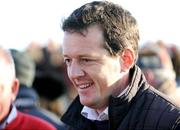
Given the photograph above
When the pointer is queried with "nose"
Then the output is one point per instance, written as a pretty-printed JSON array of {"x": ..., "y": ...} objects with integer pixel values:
[{"x": 75, "y": 70}]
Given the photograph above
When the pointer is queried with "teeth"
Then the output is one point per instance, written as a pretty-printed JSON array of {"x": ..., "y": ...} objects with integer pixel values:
[{"x": 84, "y": 86}]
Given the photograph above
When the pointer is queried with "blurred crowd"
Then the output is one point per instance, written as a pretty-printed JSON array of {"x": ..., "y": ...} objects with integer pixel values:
[
  {"x": 45, "y": 90},
  {"x": 51, "y": 91},
  {"x": 160, "y": 63}
]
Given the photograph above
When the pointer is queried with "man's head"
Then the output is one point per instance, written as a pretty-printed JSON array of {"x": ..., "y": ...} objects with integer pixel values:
[
  {"x": 119, "y": 27},
  {"x": 99, "y": 47},
  {"x": 8, "y": 83}
]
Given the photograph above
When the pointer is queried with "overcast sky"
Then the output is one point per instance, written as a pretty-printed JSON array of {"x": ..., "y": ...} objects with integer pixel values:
[{"x": 23, "y": 21}]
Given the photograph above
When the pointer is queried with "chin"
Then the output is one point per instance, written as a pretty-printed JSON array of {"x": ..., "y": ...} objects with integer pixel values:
[{"x": 86, "y": 102}]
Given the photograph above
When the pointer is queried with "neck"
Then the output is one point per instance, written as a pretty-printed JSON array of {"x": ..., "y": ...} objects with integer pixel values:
[{"x": 121, "y": 85}]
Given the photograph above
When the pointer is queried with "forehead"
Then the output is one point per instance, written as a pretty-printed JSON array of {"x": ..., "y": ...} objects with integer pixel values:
[
  {"x": 91, "y": 39},
  {"x": 7, "y": 71},
  {"x": 5, "y": 56},
  {"x": 4, "y": 67}
]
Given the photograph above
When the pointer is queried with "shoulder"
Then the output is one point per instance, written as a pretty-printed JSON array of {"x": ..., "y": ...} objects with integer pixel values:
[
  {"x": 157, "y": 106},
  {"x": 160, "y": 100},
  {"x": 156, "y": 101},
  {"x": 176, "y": 126},
  {"x": 32, "y": 122}
]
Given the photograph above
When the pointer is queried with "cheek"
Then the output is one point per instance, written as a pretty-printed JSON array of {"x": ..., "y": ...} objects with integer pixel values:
[
  {"x": 110, "y": 74},
  {"x": 5, "y": 103},
  {"x": 68, "y": 73},
  {"x": 115, "y": 66},
  {"x": 6, "y": 96},
  {"x": 106, "y": 83},
  {"x": 1, "y": 89},
  {"x": 101, "y": 81},
  {"x": 1, "y": 103}
]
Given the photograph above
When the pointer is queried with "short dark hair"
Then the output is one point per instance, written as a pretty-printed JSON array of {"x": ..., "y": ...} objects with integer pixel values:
[{"x": 119, "y": 27}]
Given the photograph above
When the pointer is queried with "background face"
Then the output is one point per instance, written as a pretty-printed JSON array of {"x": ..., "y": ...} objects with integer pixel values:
[
  {"x": 90, "y": 67},
  {"x": 6, "y": 93}
]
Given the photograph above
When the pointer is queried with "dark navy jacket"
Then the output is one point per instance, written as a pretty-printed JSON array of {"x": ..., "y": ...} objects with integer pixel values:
[{"x": 140, "y": 108}]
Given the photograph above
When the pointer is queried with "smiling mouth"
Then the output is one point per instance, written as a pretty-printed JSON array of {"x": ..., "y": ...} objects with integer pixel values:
[{"x": 84, "y": 86}]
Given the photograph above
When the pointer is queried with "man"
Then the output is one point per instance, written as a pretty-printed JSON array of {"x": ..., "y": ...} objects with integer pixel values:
[
  {"x": 10, "y": 118},
  {"x": 100, "y": 48},
  {"x": 27, "y": 100}
]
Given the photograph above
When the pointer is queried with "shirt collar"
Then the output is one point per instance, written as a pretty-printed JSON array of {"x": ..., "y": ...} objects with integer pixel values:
[
  {"x": 91, "y": 114},
  {"x": 12, "y": 115}
]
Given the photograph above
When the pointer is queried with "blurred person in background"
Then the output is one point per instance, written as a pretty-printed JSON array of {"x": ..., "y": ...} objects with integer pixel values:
[
  {"x": 100, "y": 49},
  {"x": 51, "y": 73},
  {"x": 27, "y": 99},
  {"x": 155, "y": 61},
  {"x": 52, "y": 92},
  {"x": 175, "y": 57},
  {"x": 10, "y": 117},
  {"x": 48, "y": 59}
]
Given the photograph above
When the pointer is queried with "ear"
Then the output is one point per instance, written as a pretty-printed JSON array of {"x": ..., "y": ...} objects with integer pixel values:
[
  {"x": 15, "y": 89},
  {"x": 127, "y": 60}
]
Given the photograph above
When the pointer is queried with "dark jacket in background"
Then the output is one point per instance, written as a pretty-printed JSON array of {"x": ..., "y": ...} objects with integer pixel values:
[
  {"x": 140, "y": 108},
  {"x": 27, "y": 102}
]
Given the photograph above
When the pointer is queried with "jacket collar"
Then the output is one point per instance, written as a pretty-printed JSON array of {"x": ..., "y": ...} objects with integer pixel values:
[{"x": 123, "y": 102}]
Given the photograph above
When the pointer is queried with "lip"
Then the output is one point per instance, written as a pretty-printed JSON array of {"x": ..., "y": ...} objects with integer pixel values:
[{"x": 84, "y": 85}]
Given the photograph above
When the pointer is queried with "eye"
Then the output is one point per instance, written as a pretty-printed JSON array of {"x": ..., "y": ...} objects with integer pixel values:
[
  {"x": 67, "y": 61},
  {"x": 86, "y": 61}
]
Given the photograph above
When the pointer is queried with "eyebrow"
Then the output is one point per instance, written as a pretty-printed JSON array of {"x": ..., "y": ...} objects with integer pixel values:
[{"x": 82, "y": 55}]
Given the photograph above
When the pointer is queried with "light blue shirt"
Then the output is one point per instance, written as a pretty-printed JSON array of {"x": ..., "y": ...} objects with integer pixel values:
[{"x": 12, "y": 115}]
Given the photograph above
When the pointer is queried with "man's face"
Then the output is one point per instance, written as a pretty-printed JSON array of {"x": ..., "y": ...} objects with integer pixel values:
[
  {"x": 92, "y": 70},
  {"x": 7, "y": 91}
]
